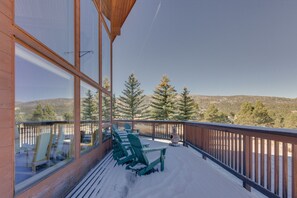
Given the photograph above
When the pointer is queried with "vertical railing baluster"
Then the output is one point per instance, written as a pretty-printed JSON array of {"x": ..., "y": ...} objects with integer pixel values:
[
  {"x": 256, "y": 160},
  {"x": 285, "y": 170},
  {"x": 228, "y": 148},
  {"x": 232, "y": 150},
  {"x": 262, "y": 162},
  {"x": 154, "y": 131},
  {"x": 183, "y": 129},
  {"x": 236, "y": 151},
  {"x": 294, "y": 170},
  {"x": 251, "y": 147},
  {"x": 246, "y": 160},
  {"x": 268, "y": 172},
  {"x": 223, "y": 147},
  {"x": 217, "y": 145},
  {"x": 240, "y": 154},
  {"x": 276, "y": 167}
]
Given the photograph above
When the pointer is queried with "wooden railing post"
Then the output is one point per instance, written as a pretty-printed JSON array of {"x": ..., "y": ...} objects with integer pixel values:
[
  {"x": 154, "y": 131},
  {"x": 203, "y": 145},
  {"x": 184, "y": 134},
  {"x": 132, "y": 125},
  {"x": 246, "y": 160}
]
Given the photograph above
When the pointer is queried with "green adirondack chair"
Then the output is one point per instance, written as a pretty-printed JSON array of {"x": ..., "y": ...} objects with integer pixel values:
[
  {"x": 141, "y": 158},
  {"x": 121, "y": 143},
  {"x": 116, "y": 143},
  {"x": 122, "y": 152},
  {"x": 128, "y": 129},
  {"x": 120, "y": 137}
]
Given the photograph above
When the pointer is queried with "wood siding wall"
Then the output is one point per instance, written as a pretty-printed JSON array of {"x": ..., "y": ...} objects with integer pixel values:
[
  {"x": 59, "y": 183},
  {"x": 6, "y": 99}
]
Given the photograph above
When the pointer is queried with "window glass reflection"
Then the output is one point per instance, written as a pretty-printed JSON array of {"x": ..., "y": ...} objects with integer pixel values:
[
  {"x": 106, "y": 116},
  {"x": 44, "y": 106},
  {"x": 51, "y": 22},
  {"x": 89, "y": 54},
  {"x": 105, "y": 60},
  {"x": 89, "y": 127}
]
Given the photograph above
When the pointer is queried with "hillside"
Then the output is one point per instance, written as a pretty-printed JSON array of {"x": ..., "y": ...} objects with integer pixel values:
[
  {"x": 229, "y": 104},
  {"x": 60, "y": 105},
  {"x": 225, "y": 104}
]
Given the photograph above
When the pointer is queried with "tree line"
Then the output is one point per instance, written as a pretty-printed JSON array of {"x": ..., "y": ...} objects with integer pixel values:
[{"x": 167, "y": 104}]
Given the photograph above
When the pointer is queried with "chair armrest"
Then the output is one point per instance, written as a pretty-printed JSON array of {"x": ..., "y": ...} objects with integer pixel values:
[
  {"x": 146, "y": 150},
  {"x": 145, "y": 144}
]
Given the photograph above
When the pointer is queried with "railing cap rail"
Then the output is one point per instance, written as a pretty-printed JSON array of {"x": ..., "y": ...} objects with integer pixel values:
[
  {"x": 153, "y": 121},
  {"x": 258, "y": 129},
  {"x": 219, "y": 126}
]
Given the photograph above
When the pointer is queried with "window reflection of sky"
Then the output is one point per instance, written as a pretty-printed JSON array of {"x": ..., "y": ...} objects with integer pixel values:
[
  {"x": 39, "y": 80},
  {"x": 54, "y": 30},
  {"x": 105, "y": 56},
  {"x": 89, "y": 62}
]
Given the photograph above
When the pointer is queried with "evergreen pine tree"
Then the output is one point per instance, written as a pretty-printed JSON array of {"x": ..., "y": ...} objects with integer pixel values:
[
  {"x": 38, "y": 113},
  {"x": 68, "y": 116},
  {"x": 163, "y": 101},
  {"x": 131, "y": 102},
  {"x": 89, "y": 107},
  {"x": 291, "y": 121},
  {"x": 254, "y": 115},
  {"x": 212, "y": 114},
  {"x": 261, "y": 115},
  {"x": 49, "y": 113},
  {"x": 45, "y": 113},
  {"x": 186, "y": 106},
  {"x": 245, "y": 114}
]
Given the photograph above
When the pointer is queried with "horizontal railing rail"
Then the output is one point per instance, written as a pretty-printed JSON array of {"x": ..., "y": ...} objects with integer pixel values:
[
  {"x": 263, "y": 158},
  {"x": 154, "y": 129}
]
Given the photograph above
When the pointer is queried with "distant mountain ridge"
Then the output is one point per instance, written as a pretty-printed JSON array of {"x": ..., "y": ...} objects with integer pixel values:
[
  {"x": 60, "y": 105},
  {"x": 226, "y": 104},
  {"x": 229, "y": 104}
]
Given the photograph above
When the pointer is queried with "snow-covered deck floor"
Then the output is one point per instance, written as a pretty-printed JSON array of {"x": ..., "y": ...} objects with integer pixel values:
[{"x": 186, "y": 174}]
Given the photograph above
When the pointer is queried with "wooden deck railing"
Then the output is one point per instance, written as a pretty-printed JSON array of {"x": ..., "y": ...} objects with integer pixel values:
[
  {"x": 28, "y": 130},
  {"x": 263, "y": 158},
  {"x": 154, "y": 129}
]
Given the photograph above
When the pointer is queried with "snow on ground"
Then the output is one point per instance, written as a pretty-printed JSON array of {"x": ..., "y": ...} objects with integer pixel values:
[{"x": 186, "y": 174}]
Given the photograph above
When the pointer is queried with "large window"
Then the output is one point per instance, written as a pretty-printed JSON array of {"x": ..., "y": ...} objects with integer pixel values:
[
  {"x": 89, "y": 46},
  {"x": 51, "y": 22},
  {"x": 105, "y": 60},
  {"x": 89, "y": 127},
  {"x": 44, "y": 103}
]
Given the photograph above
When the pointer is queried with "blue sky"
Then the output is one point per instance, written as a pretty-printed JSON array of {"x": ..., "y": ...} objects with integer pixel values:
[{"x": 213, "y": 47}]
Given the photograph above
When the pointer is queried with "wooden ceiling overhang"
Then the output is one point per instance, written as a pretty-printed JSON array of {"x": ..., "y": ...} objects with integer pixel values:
[{"x": 116, "y": 11}]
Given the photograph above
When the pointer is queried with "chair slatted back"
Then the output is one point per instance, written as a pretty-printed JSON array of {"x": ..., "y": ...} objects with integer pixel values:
[{"x": 137, "y": 148}]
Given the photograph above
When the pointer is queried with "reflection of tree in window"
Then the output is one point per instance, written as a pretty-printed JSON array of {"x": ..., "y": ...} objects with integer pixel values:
[
  {"x": 89, "y": 109},
  {"x": 106, "y": 102},
  {"x": 44, "y": 113},
  {"x": 106, "y": 83}
]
